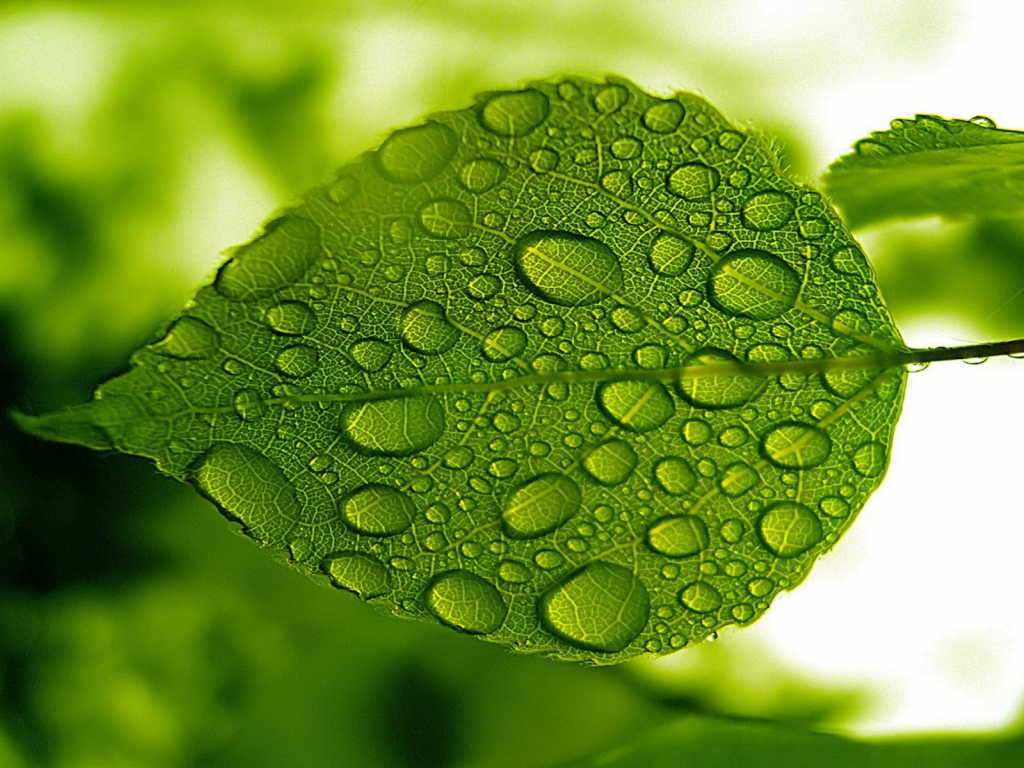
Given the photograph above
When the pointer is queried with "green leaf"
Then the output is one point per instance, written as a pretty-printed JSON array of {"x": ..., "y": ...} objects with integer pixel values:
[
  {"x": 930, "y": 166},
  {"x": 510, "y": 372},
  {"x": 712, "y": 743}
]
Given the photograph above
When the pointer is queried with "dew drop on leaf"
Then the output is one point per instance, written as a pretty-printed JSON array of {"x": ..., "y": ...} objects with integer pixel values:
[
  {"x": 363, "y": 574},
  {"x": 467, "y": 602}
]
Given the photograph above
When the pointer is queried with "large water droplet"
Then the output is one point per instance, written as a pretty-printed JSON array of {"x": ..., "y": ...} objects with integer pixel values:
[
  {"x": 789, "y": 528},
  {"x": 693, "y": 181},
  {"x": 481, "y": 175},
  {"x": 664, "y": 117},
  {"x": 297, "y": 360},
  {"x": 601, "y": 607},
  {"x": 363, "y": 574},
  {"x": 675, "y": 475},
  {"x": 640, "y": 406},
  {"x": 446, "y": 219},
  {"x": 394, "y": 427},
  {"x": 792, "y": 445},
  {"x": 628, "y": 319},
  {"x": 678, "y": 536},
  {"x": 418, "y": 153},
  {"x": 766, "y": 211},
  {"x": 514, "y": 113},
  {"x": 371, "y": 354},
  {"x": 188, "y": 338},
  {"x": 700, "y": 597},
  {"x": 377, "y": 510},
  {"x": 467, "y": 602},
  {"x": 291, "y": 318},
  {"x": 514, "y": 572},
  {"x": 755, "y": 284},
  {"x": 504, "y": 343},
  {"x": 567, "y": 269},
  {"x": 670, "y": 255},
  {"x": 425, "y": 328},
  {"x": 869, "y": 459},
  {"x": 611, "y": 463},
  {"x": 541, "y": 505},
  {"x": 251, "y": 488},
  {"x": 738, "y": 478},
  {"x": 287, "y": 249},
  {"x": 724, "y": 390},
  {"x": 611, "y": 98}
]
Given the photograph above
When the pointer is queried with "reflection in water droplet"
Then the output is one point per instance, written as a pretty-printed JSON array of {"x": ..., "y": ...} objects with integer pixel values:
[
  {"x": 678, "y": 536},
  {"x": 870, "y": 459},
  {"x": 504, "y": 343},
  {"x": 544, "y": 160},
  {"x": 567, "y": 269},
  {"x": 540, "y": 506},
  {"x": 377, "y": 510},
  {"x": 371, "y": 354},
  {"x": 693, "y": 181},
  {"x": 766, "y": 211},
  {"x": 425, "y": 328},
  {"x": 251, "y": 488},
  {"x": 723, "y": 390},
  {"x": 418, "y": 153},
  {"x": 626, "y": 148},
  {"x": 514, "y": 113},
  {"x": 664, "y": 117},
  {"x": 291, "y": 318},
  {"x": 297, "y": 360},
  {"x": 628, "y": 319},
  {"x": 640, "y": 406},
  {"x": 446, "y": 219},
  {"x": 611, "y": 463},
  {"x": 248, "y": 404},
  {"x": 601, "y": 607},
  {"x": 675, "y": 476},
  {"x": 394, "y": 427},
  {"x": 481, "y": 175},
  {"x": 467, "y": 602},
  {"x": 287, "y": 249},
  {"x": 792, "y": 445},
  {"x": 700, "y": 597},
  {"x": 514, "y": 572},
  {"x": 834, "y": 506},
  {"x": 789, "y": 528},
  {"x": 188, "y": 338},
  {"x": 754, "y": 284},
  {"x": 738, "y": 478},
  {"x": 670, "y": 255},
  {"x": 611, "y": 98},
  {"x": 363, "y": 574}
]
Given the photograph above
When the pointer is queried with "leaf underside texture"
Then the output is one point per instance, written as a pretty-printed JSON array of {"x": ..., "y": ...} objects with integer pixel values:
[{"x": 463, "y": 379}]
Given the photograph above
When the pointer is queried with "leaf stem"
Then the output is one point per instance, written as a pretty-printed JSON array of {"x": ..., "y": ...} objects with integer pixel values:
[{"x": 969, "y": 352}]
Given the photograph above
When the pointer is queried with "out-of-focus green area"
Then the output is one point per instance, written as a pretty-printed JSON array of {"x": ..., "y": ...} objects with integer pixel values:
[{"x": 137, "y": 141}]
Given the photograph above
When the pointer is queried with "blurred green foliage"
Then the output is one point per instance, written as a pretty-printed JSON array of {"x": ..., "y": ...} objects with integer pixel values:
[{"x": 138, "y": 140}]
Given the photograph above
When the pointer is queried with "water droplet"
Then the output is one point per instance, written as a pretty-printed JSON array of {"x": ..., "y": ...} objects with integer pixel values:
[
  {"x": 611, "y": 98},
  {"x": 813, "y": 229},
  {"x": 738, "y": 478},
  {"x": 870, "y": 459},
  {"x": 514, "y": 113},
  {"x": 670, "y": 255},
  {"x": 730, "y": 140},
  {"x": 446, "y": 219},
  {"x": 544, "y": 160},
  {"x": 481, "y": 175},
  {"x": 297, "y": 360},
  {"x": 602, "y": 607},
  {"x": 664, "y": 117},
  {"x": 789, "y": 528},
  {"x": 640, "y": 406},
  {"x": 618, "y": 183},
  {"x": 742, "y": 613},
  {"x": 540, "y": 505},
  {"x": 700, "y": 597},
  {"x": 754, "y": 284},
  {"x": 626, "y": 148},
  {"x": 567, "y": 269},
  {"x": 377, "y": 510},
  {"x": 870, "y": 148},
  {"x": 483, "y": 287},
  {"x": 650, "y": 356},
  {"x": 834, "y": 506},
  {"x": 503, "y": 468},
  {"x": 291, "y": 318},
  {"x": 371, "y": 354},
  {"x": 287, "y": 249},
  {"x": 760, "y": 587},
  {"x": 611, "y": 463},
  {"x": 732, "y": 530},
  {"x": 504, "y": 343},
  {"x": 678, "y": 536},
  {"x": 394, "y": 427},
  {"x": 418, "y": 153},
  {"x": 514, "y": 572},
  {"x": 188, "y": 338},
  {"x": 628, "y": 319},
  {"x": 251, "y": 488},
  {"x": 425, "y": 328},
  {"x": 983, "y": 121},
  {"x": 724, "y": 390},
  {"x": 467, "y": 602},
  {"x": 849, "y": 261},
  {"x": 248, "y": 404},
  {"x": 459, "y": 457},
  {"x": 695, "y": 431},
  {"x": 766, "y": 211},
  {"x": 675, "y": 475},
  {"x": 693, "y": 181},
  {"x": 363, "y": 574},
  {"x": 548, "y": 559},
  {"x": 792, "y": 445},
  {"x": 437, "y": 513}
]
